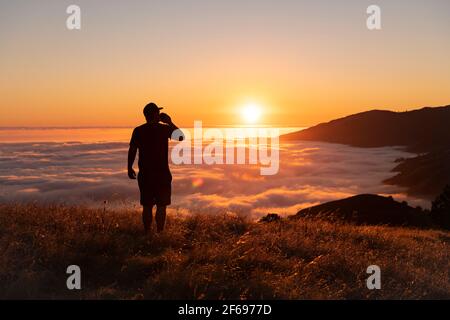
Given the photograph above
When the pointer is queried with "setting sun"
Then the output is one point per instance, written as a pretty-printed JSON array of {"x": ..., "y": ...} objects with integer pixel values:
[
  {"x": 198, "y": 150},
  {"x": 251, "y": 112}
]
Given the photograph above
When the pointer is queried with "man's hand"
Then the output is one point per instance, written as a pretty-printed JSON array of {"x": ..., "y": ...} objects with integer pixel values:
[
  {"x": 131, "y": 156},
  {"x": 165, "y": 118},
  {"x": 131, "y": 173}
]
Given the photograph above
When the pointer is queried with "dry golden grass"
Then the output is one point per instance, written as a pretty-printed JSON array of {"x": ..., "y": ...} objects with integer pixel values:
[{"x": 213, "y": 257}]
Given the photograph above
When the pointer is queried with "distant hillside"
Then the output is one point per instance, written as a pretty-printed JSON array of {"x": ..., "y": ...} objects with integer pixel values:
[
  {"x": 368, "y": 209},
  {"x": 425, "y": 175},
  {"x": 420, "y": 130}
]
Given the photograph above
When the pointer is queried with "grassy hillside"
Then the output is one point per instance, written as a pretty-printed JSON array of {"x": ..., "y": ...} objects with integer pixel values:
[{"x": 213, "y": 257}]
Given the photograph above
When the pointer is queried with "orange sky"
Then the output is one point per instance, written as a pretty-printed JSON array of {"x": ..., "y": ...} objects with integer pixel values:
[{"x": 303, "y": 63}]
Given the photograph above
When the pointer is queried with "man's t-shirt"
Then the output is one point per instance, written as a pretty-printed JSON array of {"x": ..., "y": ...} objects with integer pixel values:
[{"x": 152, "y": 141}]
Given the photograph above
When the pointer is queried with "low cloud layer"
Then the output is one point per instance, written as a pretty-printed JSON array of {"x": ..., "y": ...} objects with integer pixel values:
[{"x": 310, "y": 173}]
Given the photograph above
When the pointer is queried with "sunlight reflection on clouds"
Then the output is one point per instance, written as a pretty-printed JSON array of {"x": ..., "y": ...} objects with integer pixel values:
[{"x": 310, "y": 173}]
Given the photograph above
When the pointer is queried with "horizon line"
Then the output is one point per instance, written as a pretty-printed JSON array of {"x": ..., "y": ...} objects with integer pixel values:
[{"x": 133, "y": 126}]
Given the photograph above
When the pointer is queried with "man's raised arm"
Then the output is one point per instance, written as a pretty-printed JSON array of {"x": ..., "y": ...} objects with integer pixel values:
[{"x": 167, "y": 120}]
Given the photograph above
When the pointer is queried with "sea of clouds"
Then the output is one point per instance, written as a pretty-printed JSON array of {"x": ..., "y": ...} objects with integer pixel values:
[{"x": 91, "y": 173}]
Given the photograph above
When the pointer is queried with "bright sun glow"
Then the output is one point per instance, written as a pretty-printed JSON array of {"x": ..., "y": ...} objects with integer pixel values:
[{"x": 251, "y": 112}]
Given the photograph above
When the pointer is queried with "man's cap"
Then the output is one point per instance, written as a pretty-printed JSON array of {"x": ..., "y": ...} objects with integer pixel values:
[{"x": 151, "y": 108}]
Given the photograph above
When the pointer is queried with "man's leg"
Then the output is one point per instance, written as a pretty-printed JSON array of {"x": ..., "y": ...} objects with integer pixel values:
[
  {"x": 160, "y": 217},
  {"x": 147, "y": 218}
]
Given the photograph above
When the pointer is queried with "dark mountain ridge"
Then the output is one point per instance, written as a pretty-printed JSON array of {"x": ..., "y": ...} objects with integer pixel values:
[
  {"x": 369, "y": 209},
  {"x": 420, "y": 130},
  {"x": 425, "y": 175},
  {"x": 425, "y": 131}
]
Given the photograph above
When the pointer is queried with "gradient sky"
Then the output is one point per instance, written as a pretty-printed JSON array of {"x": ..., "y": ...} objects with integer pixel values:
[{"x": 304, "y": 61}]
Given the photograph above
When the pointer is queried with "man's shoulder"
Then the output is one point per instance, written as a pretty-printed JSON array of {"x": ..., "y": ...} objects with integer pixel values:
[
  {"x": 163, "y": 128},
  {"x": 152, "y": 125},
  {"x": 162, "y": 125},
  {"x": 151, "y": 128},
  {"x": 141, "y": 127}
]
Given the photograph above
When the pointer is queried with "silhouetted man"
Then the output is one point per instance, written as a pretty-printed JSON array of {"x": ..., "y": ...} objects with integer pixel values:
[{"x": 154, "y": 178}]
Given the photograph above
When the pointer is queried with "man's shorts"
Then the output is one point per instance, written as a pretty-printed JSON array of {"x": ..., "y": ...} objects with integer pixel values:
[{"x": 155, "y": 189}]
